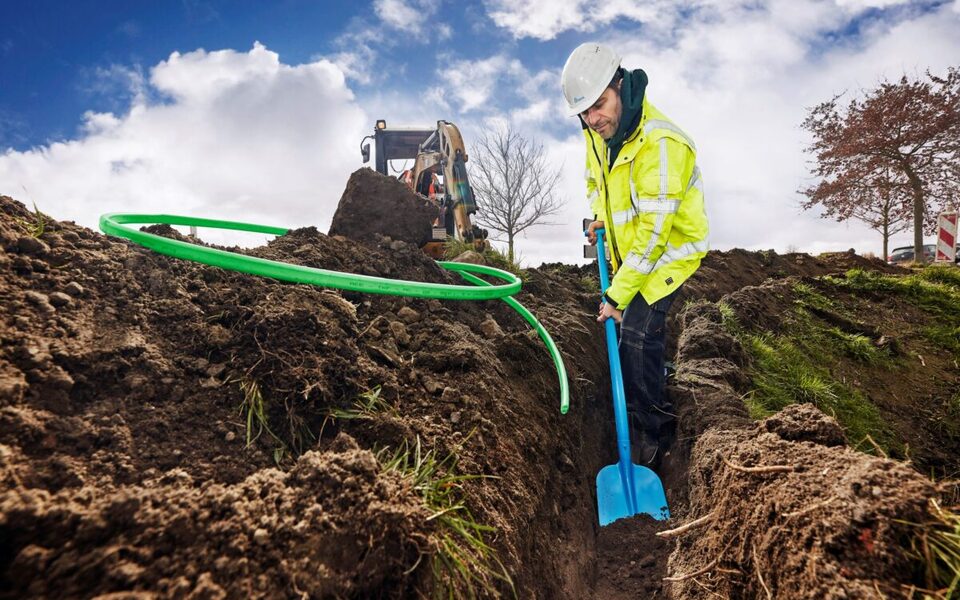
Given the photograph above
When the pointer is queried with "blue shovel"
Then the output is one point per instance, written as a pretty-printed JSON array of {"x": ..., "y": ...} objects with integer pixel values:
[{"x": 623, "y": 489}]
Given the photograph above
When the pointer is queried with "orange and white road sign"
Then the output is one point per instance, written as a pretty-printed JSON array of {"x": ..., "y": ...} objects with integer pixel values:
[{"x": 946, "y": 237}]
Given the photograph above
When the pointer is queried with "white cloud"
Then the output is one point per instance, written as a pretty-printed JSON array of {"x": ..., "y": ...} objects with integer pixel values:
[
  {"x": 472, "y": 84},
  {"x": 399, "y": 15},
  {"x": 863, "y": 4},
  {"x": 546, "y": 20},
  {"x": 240, "y": 137},
  {"x": 739, "y": 83},
  {"x": 361, "y": 44}
]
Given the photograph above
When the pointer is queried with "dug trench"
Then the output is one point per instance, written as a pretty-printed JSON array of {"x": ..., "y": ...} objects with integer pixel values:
[{"x": 184, "y": 431}]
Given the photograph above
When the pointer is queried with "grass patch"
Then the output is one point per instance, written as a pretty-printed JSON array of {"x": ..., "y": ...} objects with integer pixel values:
[
  {"x": 785, "y": 372},
  {"x": 856, "y": 346},
  {"x": 728, "y": 318},
  {"x": 254, "y": 413},
  {"x": 947, "y": 275},
  {"x": 807, "y": 295},
  {"x": 462, "y": 563},
  {"x": 937, "y": 547},
  {"x": 453, "y": 248},
  {"x": 932, "y": 288},
  {"x": 944, "y": 336},
  {"x": 367, "y": 406}
]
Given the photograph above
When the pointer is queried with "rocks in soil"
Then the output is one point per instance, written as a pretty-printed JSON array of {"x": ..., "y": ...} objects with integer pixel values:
[
  {"x": 490, "y": 328},
  {"x": 408, "y": 315},
  {"x": 60, "y": 299},
  {"x": 31, "y": 245}
]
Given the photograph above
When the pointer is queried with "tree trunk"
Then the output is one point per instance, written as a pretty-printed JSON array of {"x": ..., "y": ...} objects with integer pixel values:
[
  {"x": 918, "y": 209},
  {"x": 510, "y": 247},
  {"x": 886, "y": 238}
]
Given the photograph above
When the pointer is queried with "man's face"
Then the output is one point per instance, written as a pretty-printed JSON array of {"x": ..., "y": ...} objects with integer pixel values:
[{"x": 604, "y": 116}]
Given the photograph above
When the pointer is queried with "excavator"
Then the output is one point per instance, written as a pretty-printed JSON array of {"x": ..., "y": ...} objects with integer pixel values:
[{"x": 439, "y": 173}]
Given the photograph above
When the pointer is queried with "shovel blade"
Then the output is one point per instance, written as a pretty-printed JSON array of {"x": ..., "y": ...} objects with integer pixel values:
[{"x": 613, "y": 500}]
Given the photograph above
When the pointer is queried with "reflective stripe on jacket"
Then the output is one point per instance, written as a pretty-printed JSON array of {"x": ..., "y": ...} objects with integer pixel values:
[{"x": 651, "y": 203}]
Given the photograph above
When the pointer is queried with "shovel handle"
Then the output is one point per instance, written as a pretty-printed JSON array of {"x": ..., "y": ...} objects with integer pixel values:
[{"x": 616, "y": 384}]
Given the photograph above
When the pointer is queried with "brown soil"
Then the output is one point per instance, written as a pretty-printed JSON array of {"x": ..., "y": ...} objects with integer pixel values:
[
  {"x": 125, "y": 467},
  {"x": 374, "y": 206}
]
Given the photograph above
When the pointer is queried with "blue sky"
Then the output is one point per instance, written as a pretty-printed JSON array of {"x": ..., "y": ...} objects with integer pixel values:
[{"x": 254, "y": 111}]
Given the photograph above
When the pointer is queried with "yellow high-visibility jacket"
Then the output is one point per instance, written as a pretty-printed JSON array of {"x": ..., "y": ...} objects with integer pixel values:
[{"x": 651, "y": 203}]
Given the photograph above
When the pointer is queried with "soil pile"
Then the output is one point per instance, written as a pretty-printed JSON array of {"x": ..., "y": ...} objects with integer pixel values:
[
  {"x": 373, "y": 206},
  {"x": 178, "y": 429},
  {"x": 785, "y": 508}
]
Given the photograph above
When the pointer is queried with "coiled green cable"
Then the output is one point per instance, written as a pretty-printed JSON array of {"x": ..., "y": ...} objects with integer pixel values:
[{"x": 114, "y": 224}]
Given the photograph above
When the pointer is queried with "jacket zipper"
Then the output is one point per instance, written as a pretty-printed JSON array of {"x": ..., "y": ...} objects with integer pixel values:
[{"x": 606, "y": 205}]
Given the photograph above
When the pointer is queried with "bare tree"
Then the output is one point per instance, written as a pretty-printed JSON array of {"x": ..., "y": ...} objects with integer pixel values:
[
  {"x": 906, "y": 134},
  {"x": 514, "y": 185}
]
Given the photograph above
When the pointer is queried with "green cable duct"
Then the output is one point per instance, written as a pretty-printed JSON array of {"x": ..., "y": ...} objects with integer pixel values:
[{"x": 113, "y": 224}]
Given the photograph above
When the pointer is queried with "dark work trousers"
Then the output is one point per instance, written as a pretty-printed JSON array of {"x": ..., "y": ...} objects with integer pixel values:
[{"x": 643, "y": 332}]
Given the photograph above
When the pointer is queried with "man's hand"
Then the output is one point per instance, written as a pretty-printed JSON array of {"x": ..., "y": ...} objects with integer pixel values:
[
  {"x": 592, "y": 232},
  {"x": 608, "y": 311}
]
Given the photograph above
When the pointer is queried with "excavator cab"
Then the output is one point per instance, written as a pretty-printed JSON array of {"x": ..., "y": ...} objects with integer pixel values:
[{"x": 439, "y": 173}]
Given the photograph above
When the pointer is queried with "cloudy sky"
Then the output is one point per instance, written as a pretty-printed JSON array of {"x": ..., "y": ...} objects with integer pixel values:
[{"x": 254, "y": 111}]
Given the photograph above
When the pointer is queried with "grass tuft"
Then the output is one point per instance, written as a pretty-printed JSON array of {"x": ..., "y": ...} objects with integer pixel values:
[
  {"x": 367, "y": 406},
  {"x": 936, "y": 546},
  {"x": 463, "y": 564},
  {"x": 856, "y": 345},
  {"x": 728, "y": 318},
  {"x": 947, "y": 275},
  {"x": 453, "y": 248},
  {"x": 36, "y": 226},
  {"x": 254, "y": 413}
]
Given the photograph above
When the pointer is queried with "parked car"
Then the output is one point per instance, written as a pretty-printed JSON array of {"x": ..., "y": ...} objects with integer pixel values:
[{"x": 904, "y": 254}]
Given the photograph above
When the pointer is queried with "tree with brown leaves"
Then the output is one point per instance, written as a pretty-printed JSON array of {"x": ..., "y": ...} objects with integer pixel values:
[{"x": 891, "y": 156}]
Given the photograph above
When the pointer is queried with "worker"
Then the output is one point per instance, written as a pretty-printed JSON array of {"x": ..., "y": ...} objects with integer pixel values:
[{"x": 645, "y": 190}]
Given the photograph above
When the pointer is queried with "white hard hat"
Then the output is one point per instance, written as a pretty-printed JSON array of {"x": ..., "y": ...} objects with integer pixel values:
[{"x": 587, "y": 73}]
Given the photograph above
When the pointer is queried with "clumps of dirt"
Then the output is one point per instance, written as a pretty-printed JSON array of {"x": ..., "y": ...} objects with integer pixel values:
[
  {"x": 796, "y": 519},
  {"x": 785, "y": 509},
  {"x": 722, "y": 273},
  {"x": 374, "y": 205},
  {"x": 119, "y": 366},
  {"x": 632, "y": 559},
  {"x": 805, "y": 423},
  {"x": 710, "y": 377},
  {"x": 333, "y": 525},
  {"x": 172, "y": 428}
]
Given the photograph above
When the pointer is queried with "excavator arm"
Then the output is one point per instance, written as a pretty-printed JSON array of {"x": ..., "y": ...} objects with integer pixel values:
[{"x": 439, "y": 153}]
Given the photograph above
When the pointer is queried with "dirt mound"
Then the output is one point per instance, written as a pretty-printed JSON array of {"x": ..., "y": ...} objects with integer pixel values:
[
  {"x": 332, "y": 526},
  {"x": 374, "y": 205},
  {"x": 118, "y": 365},
  {"x": 176, "y": 429},
  {"x": 784, "y": 508},
  {"x": 722, "y": 273}
]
